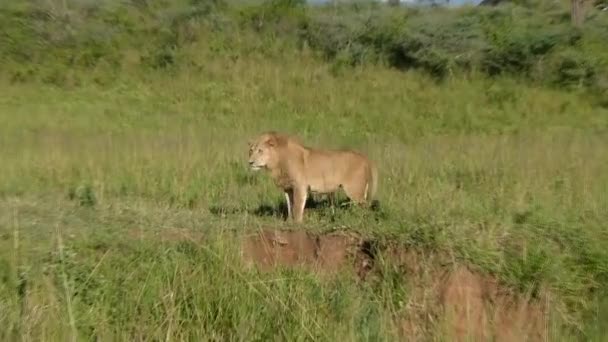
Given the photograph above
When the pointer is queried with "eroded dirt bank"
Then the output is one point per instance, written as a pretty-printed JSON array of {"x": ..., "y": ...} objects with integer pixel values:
[{"x": 465, "y": 304}]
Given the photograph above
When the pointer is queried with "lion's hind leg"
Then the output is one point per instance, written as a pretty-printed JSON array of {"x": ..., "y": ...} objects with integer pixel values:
[{"x": 355, "y": 191}]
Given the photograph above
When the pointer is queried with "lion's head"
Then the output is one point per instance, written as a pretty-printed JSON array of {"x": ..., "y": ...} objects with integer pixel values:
[{"x": 262, "y": 151}]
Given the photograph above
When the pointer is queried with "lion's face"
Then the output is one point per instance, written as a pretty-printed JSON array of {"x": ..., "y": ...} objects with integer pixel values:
[{"x": 260, "y": 154}]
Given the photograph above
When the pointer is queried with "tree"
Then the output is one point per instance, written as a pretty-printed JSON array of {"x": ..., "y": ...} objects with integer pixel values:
[{"x": 577, "y": 12}]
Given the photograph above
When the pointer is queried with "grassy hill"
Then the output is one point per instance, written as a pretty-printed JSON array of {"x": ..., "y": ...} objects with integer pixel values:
[{"x": 125, "y": 196}]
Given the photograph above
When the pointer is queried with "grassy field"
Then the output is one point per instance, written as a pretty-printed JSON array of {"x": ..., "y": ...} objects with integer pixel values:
[{"x": 123, "y": 197}]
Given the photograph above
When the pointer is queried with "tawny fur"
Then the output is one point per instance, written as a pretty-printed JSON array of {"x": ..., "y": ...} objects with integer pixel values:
[{"x": 298, "y": 169}]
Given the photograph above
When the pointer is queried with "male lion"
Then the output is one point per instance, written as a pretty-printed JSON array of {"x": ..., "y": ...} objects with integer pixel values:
[{"x": 298, "y": 169}]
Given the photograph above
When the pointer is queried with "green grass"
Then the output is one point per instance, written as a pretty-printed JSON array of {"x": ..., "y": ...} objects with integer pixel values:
[{"x": 508, "y": 176}]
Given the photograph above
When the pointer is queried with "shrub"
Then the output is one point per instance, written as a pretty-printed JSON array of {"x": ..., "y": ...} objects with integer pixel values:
[
  {"x": 572, "y": 69},
  {"x": 284, "y": 17},
  {"x": 530, "y": 39},
  {"x": 439, "y": 45}
]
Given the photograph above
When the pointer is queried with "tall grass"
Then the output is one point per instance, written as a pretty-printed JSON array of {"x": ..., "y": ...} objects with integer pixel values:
[{"x": 124, "y": 187}]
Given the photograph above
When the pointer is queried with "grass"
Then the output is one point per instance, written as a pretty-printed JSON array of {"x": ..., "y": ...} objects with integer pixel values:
[{"x": 504, "y": 175}]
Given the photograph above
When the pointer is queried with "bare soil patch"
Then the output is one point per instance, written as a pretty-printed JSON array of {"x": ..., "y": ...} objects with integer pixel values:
[
  {"x": 478, "y": 307},
  {"x": 465, "y": 304},
  {"x": 328, "y": 253}
]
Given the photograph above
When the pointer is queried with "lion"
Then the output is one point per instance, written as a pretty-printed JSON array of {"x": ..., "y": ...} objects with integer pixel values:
[{"x": 298, "y": 170}]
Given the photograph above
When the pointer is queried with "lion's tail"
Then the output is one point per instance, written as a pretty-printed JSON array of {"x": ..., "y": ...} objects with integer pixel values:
[{"x": 373, "y": 183}]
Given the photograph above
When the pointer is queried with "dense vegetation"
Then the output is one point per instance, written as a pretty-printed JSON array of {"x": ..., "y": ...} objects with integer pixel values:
[
  {"x": 489, "y": 126},
  {"x": 535, "y": 42}
]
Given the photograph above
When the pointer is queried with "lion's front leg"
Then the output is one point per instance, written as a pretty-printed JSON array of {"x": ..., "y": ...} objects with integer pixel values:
[
  {"x": 289, "y": 200},
  {"x": 331, "y": 198},
  {"x": 299, "y": 201}
]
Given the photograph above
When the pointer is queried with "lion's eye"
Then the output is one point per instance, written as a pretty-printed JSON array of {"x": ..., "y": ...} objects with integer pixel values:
[{"x": 260, "y": 151}]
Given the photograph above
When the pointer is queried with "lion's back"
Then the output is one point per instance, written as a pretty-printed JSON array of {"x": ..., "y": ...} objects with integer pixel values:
[{"x": 328, "y": 169}]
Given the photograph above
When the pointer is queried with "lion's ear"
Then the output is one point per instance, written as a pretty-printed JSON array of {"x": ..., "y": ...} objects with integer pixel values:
[{"x": 272, "y": 141}]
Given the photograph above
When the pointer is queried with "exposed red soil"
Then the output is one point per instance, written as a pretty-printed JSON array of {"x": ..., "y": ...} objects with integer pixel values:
[
  {"x": 478, "y": 307},
  {"x": 330, "y": 253},
  {"x": 468, "y": 306}
]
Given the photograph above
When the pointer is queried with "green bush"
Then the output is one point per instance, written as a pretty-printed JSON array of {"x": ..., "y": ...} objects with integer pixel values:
[
  {"x": 504, "y": 40},
  {"x": 530, "y": 40},
  {"x": 439, "y": 45},
  {"x": 284, "y": 17},
  {"x": 572, "y": 69}
]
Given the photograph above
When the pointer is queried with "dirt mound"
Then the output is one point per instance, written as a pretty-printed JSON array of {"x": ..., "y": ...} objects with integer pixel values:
[
  {"x": 464, "y": 304},
  {"x": 477, "y": 307},
  {"x": 329, "y": 253}
]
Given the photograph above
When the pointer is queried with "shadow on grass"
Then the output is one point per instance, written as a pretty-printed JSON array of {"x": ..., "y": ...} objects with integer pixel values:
[{"x": 279, "y": 209}]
